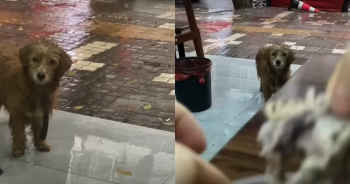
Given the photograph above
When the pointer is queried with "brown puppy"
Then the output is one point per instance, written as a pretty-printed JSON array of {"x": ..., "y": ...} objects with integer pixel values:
[
  {"x": 28, "y": 77},
  {"x": 273, "y": 68}
]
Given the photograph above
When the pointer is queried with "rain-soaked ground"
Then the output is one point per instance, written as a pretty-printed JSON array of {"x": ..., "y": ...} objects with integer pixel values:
[
  {"x": 241, "y": 33},
  {"x": 123, "y": 49},
  {"x": 118, "y": 46}
]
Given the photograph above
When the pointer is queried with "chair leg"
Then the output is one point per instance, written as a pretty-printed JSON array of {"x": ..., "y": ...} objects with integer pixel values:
[
  {"x": 198, "y": 44},
  {"x": 193, "y": 26},
  {"x": 181, "y": 49}
]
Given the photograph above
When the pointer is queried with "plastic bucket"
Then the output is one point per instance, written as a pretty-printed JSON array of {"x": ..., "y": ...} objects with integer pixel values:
[{"x": 193, "y": 83}]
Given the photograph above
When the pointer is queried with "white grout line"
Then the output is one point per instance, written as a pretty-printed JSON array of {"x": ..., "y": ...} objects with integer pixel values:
[
  {"x": 220, "y": 42},
  {"x": 283, "y": 14},
  {"x": 163, "y": 6},
  {"x": 290, "y": 43},
  {"x": 211, "y": 10},
  {"x": 211, "y": 40},
  {"x": 90, "y": 49},
  {"x": 168, "y": 26},
  {"x": 268, "y": 22},
  {"x": 319, "y": 23},
  {"x": 278, "y": 17},
  {"x": 234, "y": 42},
  {"x": 83, "y": 52},
  {"x": 212, "y": 46},
  {"x": 87, "y": 65},
  {"x": 167, "y": 15},
  {"x": 277, "y": 34},
  {"x": 316, "y": 24},
  {"x": 295, "y": 47},
  {"x": 165, "y": 77},
  {"x": 234, "y": 37},
  {"x": 338, "y": 51},
  {"x": 236, "y": 17}
]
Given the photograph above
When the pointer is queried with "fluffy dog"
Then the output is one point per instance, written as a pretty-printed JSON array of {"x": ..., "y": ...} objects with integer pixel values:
[
  {"x": 29, "y": 77},
  {"x": 305, "y": 125},
  {"x": 273, "y": 68}
]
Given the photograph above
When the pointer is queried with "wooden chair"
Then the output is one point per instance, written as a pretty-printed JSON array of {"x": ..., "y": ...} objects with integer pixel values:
[
  {"x": 180, "y": 28},
  {"x": 192, "y": 34}
]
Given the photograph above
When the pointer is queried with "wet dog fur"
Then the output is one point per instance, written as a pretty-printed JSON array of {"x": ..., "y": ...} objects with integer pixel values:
[
  {"x": 306, "y": 126},
  {"x": 273, "y": 68},
  {"x": 26, "y": 76}
]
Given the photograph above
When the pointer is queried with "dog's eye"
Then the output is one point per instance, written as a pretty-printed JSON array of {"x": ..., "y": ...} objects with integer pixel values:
[
  {"x": 52, "y": 62},
  {"x": 284, "y": 54},
  {"x": 273, "y": 54},
  {"x": 36, "y": 60}
]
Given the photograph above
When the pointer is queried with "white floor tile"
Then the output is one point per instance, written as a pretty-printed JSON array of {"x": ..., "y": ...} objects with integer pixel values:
[
  {"x": 219, "y": 141},
  {"x": 91, "y": 150},
  {"x": 210, "y": 129}
]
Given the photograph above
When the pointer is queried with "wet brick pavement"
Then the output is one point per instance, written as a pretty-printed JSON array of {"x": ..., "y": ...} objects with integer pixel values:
[
  {"x": 241, "y": 33},
  {"x": 121, "y": 48}
]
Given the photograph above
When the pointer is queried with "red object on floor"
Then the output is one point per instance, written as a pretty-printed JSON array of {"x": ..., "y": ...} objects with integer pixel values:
[
  {"x": 303, "y": 6},
  {"x": 323, "y": 5},
  {"x": 210, "y": 27}
]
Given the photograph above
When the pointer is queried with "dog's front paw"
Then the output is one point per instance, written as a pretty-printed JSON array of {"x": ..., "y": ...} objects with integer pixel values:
[
  {"x": 17, "y": 152},
  {"x": 42, "y": 146}
]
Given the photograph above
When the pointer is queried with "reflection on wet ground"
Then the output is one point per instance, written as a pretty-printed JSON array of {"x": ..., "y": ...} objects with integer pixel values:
[
  {"x": 118, "y": 46},
  {"x": 308, "y": 34},
  {"x": 87, "y": 150}
]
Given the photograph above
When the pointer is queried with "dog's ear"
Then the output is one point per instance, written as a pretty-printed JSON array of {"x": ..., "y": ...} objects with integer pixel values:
[
  {"x": 65, "y": 63},
  {"x": 24, "y": 55},
  {"x": 267, "y": 53},
  {"x": 290, "y": 56}
]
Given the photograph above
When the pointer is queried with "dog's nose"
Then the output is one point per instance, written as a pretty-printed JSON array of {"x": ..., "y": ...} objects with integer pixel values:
[
  {"x": 41, "y": 76},
  {"x": 278, "y": 62}
]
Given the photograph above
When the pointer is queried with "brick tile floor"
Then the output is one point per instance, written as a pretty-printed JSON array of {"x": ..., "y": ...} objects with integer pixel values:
[
  {"x": 123, "y": 49},
  {"x": 308, "y": 34},
  {"x": 118, "y": 48}
]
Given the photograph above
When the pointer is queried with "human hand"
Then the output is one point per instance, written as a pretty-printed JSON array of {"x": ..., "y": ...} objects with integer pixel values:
[
  {"x": 190, "y": 141},
  {"x": 338, "y": 87}
]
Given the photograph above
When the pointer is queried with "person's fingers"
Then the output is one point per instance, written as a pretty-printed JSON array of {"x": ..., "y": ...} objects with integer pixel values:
[
  {"x": 187, "y": 130},
  {"x": 191, "y": 169},
  {"x": 340, "y": 102},
  {"x": 338, "y": 87}
]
